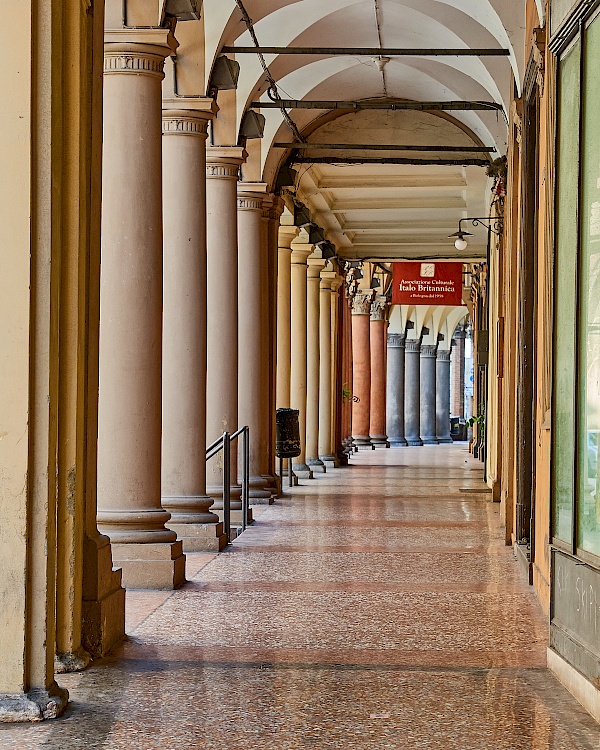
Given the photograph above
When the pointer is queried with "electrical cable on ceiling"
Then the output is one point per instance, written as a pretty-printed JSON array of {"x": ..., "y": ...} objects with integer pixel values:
[{"x": 273, "y": 91}]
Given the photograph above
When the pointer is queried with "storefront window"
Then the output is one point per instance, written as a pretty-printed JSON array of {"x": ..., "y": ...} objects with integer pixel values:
[
  {"x": 566, "y": 285},
  {"x": 588, "y": 511}
]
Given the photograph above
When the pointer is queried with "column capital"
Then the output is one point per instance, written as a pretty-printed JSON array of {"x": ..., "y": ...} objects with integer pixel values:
[
  {"x": 443, "y": 355},
  {"x": 137, "y": 51},
  {"x": 327, "y": 279},
  {"x": 223, "y": 162},
  {"x": 361, "y": 303},
  {"x": 315, "y": 264},
  {"x": 429, "y": 350},
  {"x": 286, "y": 236},
  {"x": 378, "y": 308},
  {"x": 188, "y": 115},
  {"x": 412, "y": 345},
  {"x": 300, "y": 253},
  {"x": 336, "y": 284},
  {"x": 249, "y": 202},
  {"x": 396, "y": 340},
  {"x": 277, "y": 207}
]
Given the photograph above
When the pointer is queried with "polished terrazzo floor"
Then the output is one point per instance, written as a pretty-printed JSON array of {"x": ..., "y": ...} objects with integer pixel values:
[{"x": 377, "y": 607}]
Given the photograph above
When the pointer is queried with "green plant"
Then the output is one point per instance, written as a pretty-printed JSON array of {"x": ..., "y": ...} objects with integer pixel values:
[{"x": 346, "y": 394}]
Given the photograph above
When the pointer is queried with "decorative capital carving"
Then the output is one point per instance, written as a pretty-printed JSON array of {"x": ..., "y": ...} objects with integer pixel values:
[
  {"x": 378, "y": 308},
  {"x": 139, "y": 62},
  {"x": 223, "y": 171},
  {"x": 539, "y": 56},
  {"x": 412, "y": 345},
  {"x": 361, "y": 303},
  {"x": 443, "y": 355},
  {"x": 224, "y": 162},
  {"x": 396, "y": 340},
  {"x": 181, "y": 123},
  {"x": 250, "y": 202},
  {"x": 429, "y": 351}
]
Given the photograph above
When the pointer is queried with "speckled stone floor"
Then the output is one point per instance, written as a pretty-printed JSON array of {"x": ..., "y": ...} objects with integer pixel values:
[{"x": 377, "y": 607}]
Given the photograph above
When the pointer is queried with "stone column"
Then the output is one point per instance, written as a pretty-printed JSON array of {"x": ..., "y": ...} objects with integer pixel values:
[
  {"x": 325, "y": 372},
  {"x": 298, "y": 370},
  {"x": 222, "y": 167},
  {"x": 254, "y": 372},
  {"x": 284, "y": 315},
  {"x": 313, "y": 298},
  {"x": 428, "y": 394},
  {"x": 129, "y": 429},
  {"x": 457, "y": 405},
  {"x": 442, "y": 395},
  {"x": 184, "y": 321},
  {"x": 377, "y": 427},
  {"x": 361, "y": 370},
  {"x": 395, "y": 389},
  {"x": 412, "y": 391},
  {"x": 336, "y": 369}
]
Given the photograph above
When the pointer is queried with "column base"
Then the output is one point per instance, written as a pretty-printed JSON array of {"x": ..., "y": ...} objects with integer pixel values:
[
  {"x": 200, "y": 537},
  {"x": 330, "y": 461},
  {"x": 316, "y": 465},
  {"x": 380, "y": 441},
  {"x": 36, "y": 705},
  {"x": 429, "y": 440},
  {"x": 158, "y": 566},
  {"x": 77, "y": 661},
  {"x": 414, "y": 441},
  {"x": 103, "y": 606},
  {"x": 217, "y": 494},
  {"x": 273, "y": 484},
  {"x": 398, "y": 442},
  {"x": 446, "y": 440},
  {"x": 362, "y": 443},
  {"x": 302, "y": 471},
  {"x": 259, "y": 491},
  {"x": 236, "y": 516}
]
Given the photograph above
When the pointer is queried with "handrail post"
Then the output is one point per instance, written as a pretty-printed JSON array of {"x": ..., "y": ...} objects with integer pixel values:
[
  {"x": 227, "y": 485},
  {"x": 245, "y": 477}
]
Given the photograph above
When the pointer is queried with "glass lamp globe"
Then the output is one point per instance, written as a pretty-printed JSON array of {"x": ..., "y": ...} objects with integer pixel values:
[{"x": 460, "y": 244}]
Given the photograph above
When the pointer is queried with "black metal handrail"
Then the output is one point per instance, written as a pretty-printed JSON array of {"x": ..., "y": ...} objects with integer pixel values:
[{"x": 223, "y": 443}]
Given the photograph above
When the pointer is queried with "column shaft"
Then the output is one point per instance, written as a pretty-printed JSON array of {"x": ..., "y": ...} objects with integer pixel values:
[
  {"x": 298, "y": 369},
  {"x": 377, "y": 427},
  {"x": 284, "y": 315},
  {"x": 325, "y": 371},
  {"x": 313, "y": 305},
  {"x": 222, "y": 166},
  {"x": 457, "y": 406},
  {"x": 184, "y": 321},
  {"x": 442, "y": 394},
  {"x": 129, "y": 429},
  {"x": 336, "y": 369},
  {"x": 361, "y": 371},
  {"x": 428, "y": 394},
  {"x": 254, "y": 372},
  {"x": 395, "y": 389},
  {"x": 412, "y": 392}
]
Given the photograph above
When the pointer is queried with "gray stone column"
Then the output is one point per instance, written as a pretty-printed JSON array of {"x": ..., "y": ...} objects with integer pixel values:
[
  {"x": 442, "y": 396},
  {"x": 428, "y": 391},
  {"x": 457, "y": 405},
  {"x": 412, "y": 392},
  {"x": 395, "y": 389}
]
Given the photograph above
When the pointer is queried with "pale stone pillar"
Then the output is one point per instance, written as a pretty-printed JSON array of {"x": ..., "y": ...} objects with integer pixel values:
[
  {"x": 222, "y": 167},
  {"x": 442, "y": 394},
  {"x": 325, "y": 438},
  {"x": 284, "y": 314},
  {"x": 395, "y": 389},
  {"x": 336, "y": 374},
  {"x": 313, "y": 299},
  {"x": 361, "y": 370},
  {"x": 428, "y": 393},
  {"x": 254, "y": 372},
  {"x": 129, "y": 430},
  {"x": 377, "y": 427},
  {"x": 298, "y": 370},
  {"x": 412, "y": 391},
  {"x": 184, "y": 322}
]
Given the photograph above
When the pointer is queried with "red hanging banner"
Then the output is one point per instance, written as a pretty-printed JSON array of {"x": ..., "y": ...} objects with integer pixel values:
[{"x": 427, "y": 284}]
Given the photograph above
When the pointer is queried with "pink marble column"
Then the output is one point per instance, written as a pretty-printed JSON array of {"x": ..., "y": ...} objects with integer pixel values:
[
  {"x": 377, "y": 427},
  {"x": 361, "y": 370}
]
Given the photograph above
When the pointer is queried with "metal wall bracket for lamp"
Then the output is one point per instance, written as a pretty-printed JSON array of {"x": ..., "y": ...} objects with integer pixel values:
[{"x": 494, "y": 224}]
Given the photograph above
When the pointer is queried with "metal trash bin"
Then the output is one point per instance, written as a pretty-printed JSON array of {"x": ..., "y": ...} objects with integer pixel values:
[{"x": 287, "y": 439}]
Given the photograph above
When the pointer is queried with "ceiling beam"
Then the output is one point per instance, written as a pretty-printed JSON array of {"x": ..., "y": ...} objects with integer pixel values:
[
  {"x": 383, "y": 160},
  {"x": 385, "y": 147},
  {"x": 386, "y": 104},
  {"x": 370, "y": 51}
]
